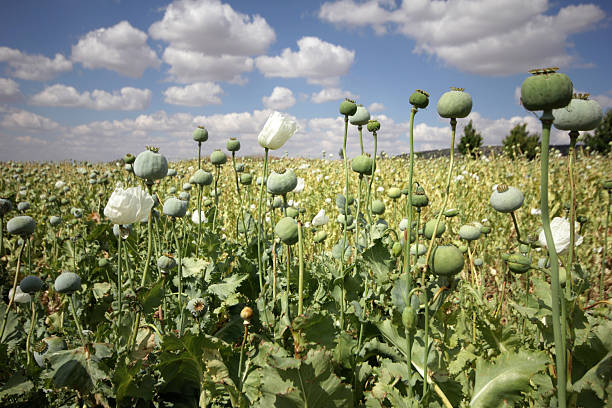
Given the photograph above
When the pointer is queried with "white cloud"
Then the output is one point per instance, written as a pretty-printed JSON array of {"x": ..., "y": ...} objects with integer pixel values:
[
  {"x": 121, "y": 48},
  {"x": 332, "y": 94},
  {"x": 376, "y": 107},
  {"x": 193, "y": 66},
  {"x": 316, "y": 60},
  {"x": 33, "y": 67},
  {"x": 28, "y": 121},
  {"x": 127, "y": 98},
  {"x": 212, "y": 28},
  {"x": 474, "y": 36},
  {"x": 280, "y": 99},
  {"x": 605, "y": 100},
  {"x": 9, "y": 91},
  {"x": 198, "y": 94}
]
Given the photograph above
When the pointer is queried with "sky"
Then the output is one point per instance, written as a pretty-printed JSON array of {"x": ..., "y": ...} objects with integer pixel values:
[{"x": 94, "y": 80}]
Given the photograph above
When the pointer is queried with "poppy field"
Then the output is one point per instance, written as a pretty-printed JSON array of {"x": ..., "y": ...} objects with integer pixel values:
[{"x": 368, "y": 281}]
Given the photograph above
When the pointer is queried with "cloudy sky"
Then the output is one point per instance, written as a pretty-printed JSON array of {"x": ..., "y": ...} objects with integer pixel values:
[{"x": 93, "y": 80}]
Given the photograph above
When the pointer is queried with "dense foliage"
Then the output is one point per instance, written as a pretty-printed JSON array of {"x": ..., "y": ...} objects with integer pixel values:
[
  {"x": 470, "y": 142},
  {"x": 520, "y": 143},
  {"x": 601, "y": 139}
]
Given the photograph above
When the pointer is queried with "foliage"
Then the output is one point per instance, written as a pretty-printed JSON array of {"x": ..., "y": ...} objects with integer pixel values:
[
  {"x": 520, "y": 143},
  {"x": 601, "y": 139},
  {"x": 470, "y": 142}
]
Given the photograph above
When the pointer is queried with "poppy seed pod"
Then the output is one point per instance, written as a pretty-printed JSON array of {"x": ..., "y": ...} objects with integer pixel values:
[
  {"x": 246, "y": 179},
  {"x": 378, "y": 207},
  {"x": 394, "y": 193},
  {"x": 54, "y": 220},
  {"x": 67, "y": 282},
  {"x": 277, "y": 130},
  {"x": 320, "y": 236},
  {"x": 239, "y": 167},
  {"x": 419, "y": 99},
  {"x": 546, "y": 89},
  {"x": 46, "y": 347},
  {"x": 200, "y": 134},
  {"x": 233, "y": 145},
  {"x": 218, "y": 158},
  {"x": 506, "y": 199},
  {"x": 419, "y": 198},
  {"x": 21, "y": 225},
  {"x": 581, "y": 114},
  {"x": 5, "y": 206},
  {"x": 360, "y": 117},
  {"x": 409, "y": 318},
  {"x": 201, "y": 178},
  {"x": 396, "y": 249},
  {"x": 175, "y": 207},
  {"x": 23, "y": 206},
  {"x": 455, "y": 104},
  {"x": 150, "y": 165},
  {"x": 246, "y": 313},
  {"x": 184, "y": 196},
  {"x": 128, "y": 159},
  {"x": 362, "y": 164},
  {"x": 518, "y": 263},
  {"x": 348, "y": 107},
  {"x": 31, "y": 284},
  {"x": 281, "y": 183},
  {"x": 187, "y": 186},
  {"x": 446, "y": 260},
  {"x": 292, "y": 212},
  {"x": 469, "y": 232},
  {"x": 171, "y": 172},
  {"x": 429, "y": 229},
  {"x": 287, "y": 230},
  {"x": 373, "y": 125}
]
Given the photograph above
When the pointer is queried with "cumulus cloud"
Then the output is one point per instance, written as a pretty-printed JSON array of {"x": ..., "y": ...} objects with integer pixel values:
[
  {"x": 9, "y": 91},
  {"x": 316, "y": 60},
  {"x": 33, "y": 67},
  {"x": 280, "y": 99},
  {"x": 198, "y": 94},
  {"x": 331, "y": 94},
  {"x": 376, "y": 107},
  {"x": 474, "y": 36},
  {"x": 193, "y": 66},
  {"x": 120, "y": 48},
  {"x": 605, "y": 100},
  {"x": 126, "y": 99},
  {"x": 28, "y": 121}
]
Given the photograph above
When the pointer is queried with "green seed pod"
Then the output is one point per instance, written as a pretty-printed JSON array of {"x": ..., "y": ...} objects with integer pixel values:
[
  {"x": 239, "y": 167},
  {"x": 478, "y": 262},
  {"x": 506, "y": 199},
  {"x": 320, "y": 236},
  {"x": 281, "y": 183},
  {"x": 166, "y": 263},
  {"x": 361, "y": 116},
  {"x": 287, "y": 230},
  {"x": 103, "y": 262},
  {"x": 348, "y": 107},
  {"x": 446, "y": 260},
  {"x": 201, "y": 178},
  {"x": 485, "y": 229},
  {"x": 378, "y": 207},
  {"x": 200, "y": 134},
  {"x": 129, "y": 158},
  {"x": 292, "y": 212},
  {"x": 246, "y": 179},
  {"x": 394, "y": 193},
  {"x": 5, "y": 206},
  {"x": 171, "y": 172},
  {"x": 344, "y": 220},
  {"x": 429, "y": 229},
  {"x": 233, "y": 145},
  {"x": 469, "y": 232},
  {"x": 67, "y": 282},
  {"x": 419, "y": 99},
  {"x": 218, "y": 158},
  {"x": 246, "y": 313},
  {"x": 455, "y": 104},
  {"x": 150, "y": 165},
  {"x": 396, "y": 249},
  {"x": 208, "y": 202},
  {"x": 419, "y": 198},
  {"x": 184, "y": 196},
  {"x": 581, "y": 114},
  {"x": 373, "y": 125},
  {"x": 450, "y": 213},
  {"x": 546, "y": 89},
  {"x": 524, "y": 249},
  {"x": 23, "y": 206},
  {"x": 46, "y": 347},
  {"x": 518, "y": 263},
  {"x": 31, "y": 284},
  {"x": 172, "y": 190},
  {"x": 362, "y": 164},
  {"x": 277, "y": 202},
  {"x": 422, "y": 248},
  {"x": 21, "y": 225},
  {"x": 463, "y": 249},
  {"x": 409, "y": 318},
  {"x": 187, "y": 186},
  {"x": 175, "y": 207}
]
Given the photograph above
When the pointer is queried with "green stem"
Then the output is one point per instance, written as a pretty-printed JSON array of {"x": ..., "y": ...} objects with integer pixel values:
[
  {"x": 407, "y": 260},
  {"x": 199, "y": 218},
  {"x": 572, "y": 158},
  {"x": 32, "y": 301},
  {"x": 345, "y": 227},
  {"x": 516, "y": 228},
  {"x": 216, "y": 196},
  {"x": 288, "y": 289},
  {"x": 244, "y": 340},
  {"x": 604, "y": 258},
  {"x": 260, "y": 221},
  {"x": 12, "y": 299},
  {"x": 119, "y": 283},
  {"x": 360, "y": 137},
  {"x": 199, "y": 155},
  {"x": 368, "y": 204},
  {"x": 558, "y": 326},
  {"x": 76, "y": 320},
  {"x": 301, "y": 269},
  {"x": 149, "y": 238},
  {"x": 180, "y": 277},
  {"x": 241, "y": 215}
]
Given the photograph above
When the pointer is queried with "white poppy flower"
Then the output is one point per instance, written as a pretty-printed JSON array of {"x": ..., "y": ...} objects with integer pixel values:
[
  {"x": 320, "y": 219},
  {"x": 277, "y": 130},
  {"x": 128, "y": 206},
  {"x": 59, "y": 184},
  {"x": 20, "y": 296},
  {"x": 300, "y": 185},
  {"x": 560, "y": 228},
  {"x": 196, "y": 220}
]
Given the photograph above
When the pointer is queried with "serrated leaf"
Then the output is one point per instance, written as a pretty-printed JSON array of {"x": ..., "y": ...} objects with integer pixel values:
[
  {"x": 78, "y": 369},
  {"x": 128, "y": 383},
  {"x": 194, "y": 267},
  {"x": 503, "y": 381},
  {"x": 153, "y": 298},
  {"x": 18, "y": 384},
  {"x": 228, "y": 286},
  {"x": 379, "y": 261}
]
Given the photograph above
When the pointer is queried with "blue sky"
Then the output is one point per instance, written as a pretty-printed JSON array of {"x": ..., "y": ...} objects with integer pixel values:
[{"x": 96, "y": 79}]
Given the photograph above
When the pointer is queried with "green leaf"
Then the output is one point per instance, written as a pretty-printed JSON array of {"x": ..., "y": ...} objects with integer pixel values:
[
  {"x": 77, "y": 369},
  {"x": 130, "y": 384},
  {"x": 194, "y": 267},
  {"x": 379, "y": 260},
  {"x": 228, "y": 286},
  {"x": 502, "y": 382},
  {"x": 153, "y": 298},
  {"x": 18, "y": 384},
  {"x": 317, "y": 328}
]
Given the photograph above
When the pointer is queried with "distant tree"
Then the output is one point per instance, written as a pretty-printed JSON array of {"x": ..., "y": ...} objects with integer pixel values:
[
  {"x": 341, "y": 154},
  {"x": 520, "y": 142},
  {"x": 602, "y": 137},
  {"x": 470, "y": 142}
]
